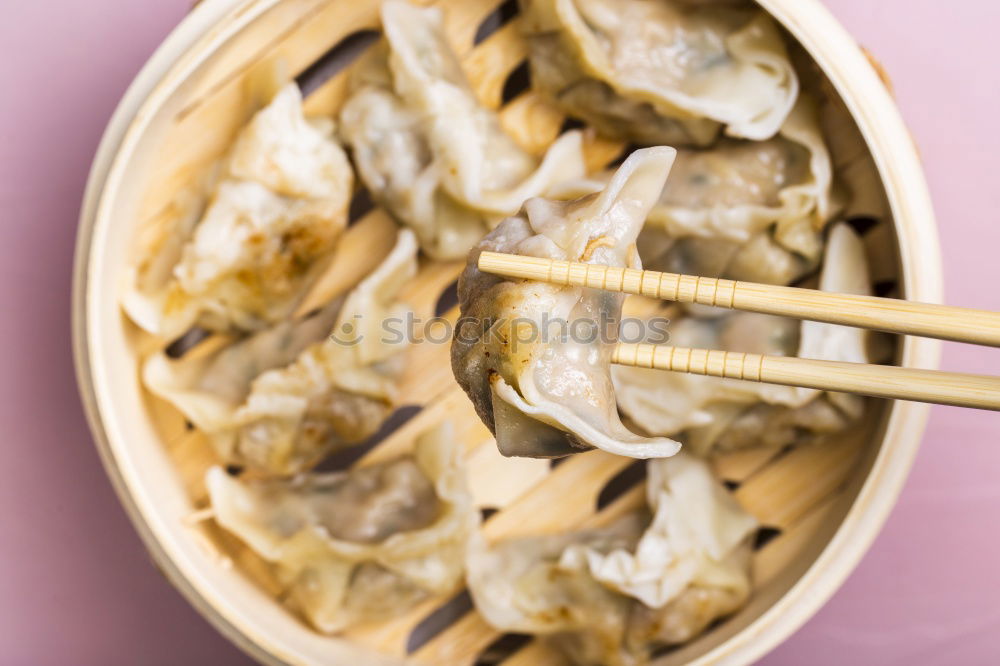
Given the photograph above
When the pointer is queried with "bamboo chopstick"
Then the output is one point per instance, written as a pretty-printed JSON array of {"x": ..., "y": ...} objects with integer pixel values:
[
  {"x": 885, "y": 314},
  {"x": 881, "y": 381}
]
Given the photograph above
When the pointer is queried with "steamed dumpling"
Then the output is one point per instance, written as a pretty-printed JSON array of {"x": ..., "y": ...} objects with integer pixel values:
[
  {"x": 669, "y": 402},
  {"x": 662, "y": 71},
  {"x": 292, "y": 155},
  {"x": 272, "y": 221},
  {"x": 428, "y": 151},
  {"x": 725, "y": 414},
  {"x": 612, "y": 595},
  {"x": 750, "y": 211},
  {"x": 362, "y": 544},
  {"x": 248, "y": 259},
  {"x": 338, "y": 392},
  {"x": 737, "y": 189},
  {"x": 544, "y": 393},
  {"x": 744, "y": 210},
  {"x": 279, "y": 400}
]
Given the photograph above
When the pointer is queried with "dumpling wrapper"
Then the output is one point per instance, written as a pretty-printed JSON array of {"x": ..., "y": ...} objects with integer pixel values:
[
  {"x": 662, "y": 71},
  {"x": 612, "y": 595},
  {"x": 279, "y": 400},
  {"x": 428, "y": 150},
  {"x": 272, "y": 221},
  {"x": 550, "y": 394},
  {"x": 362, "y": 544},
  {"x": 727, "y": 413}
]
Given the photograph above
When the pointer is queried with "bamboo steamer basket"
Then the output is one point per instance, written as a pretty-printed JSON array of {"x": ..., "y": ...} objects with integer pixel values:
[{"x": 822, "y": 505}]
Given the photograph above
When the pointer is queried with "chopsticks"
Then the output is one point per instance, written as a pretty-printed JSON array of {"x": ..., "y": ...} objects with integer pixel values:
[
  {"x": 882, "y": 314},
  {"x": 880, "y": 381},
  {"x": 885, "y": 314}
]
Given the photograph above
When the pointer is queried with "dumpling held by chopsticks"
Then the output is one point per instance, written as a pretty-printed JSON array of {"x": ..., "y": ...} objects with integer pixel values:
[{"x": 534, "y": 358}]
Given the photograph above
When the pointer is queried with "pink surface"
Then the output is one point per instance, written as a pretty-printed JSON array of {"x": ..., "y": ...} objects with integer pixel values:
[{"x": 76, "y": 585}]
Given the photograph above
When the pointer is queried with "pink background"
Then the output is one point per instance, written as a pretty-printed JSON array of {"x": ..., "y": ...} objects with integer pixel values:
[{"x": 76, "y": 585}]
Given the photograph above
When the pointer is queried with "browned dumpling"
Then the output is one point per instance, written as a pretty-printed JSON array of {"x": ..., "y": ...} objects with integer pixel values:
[
  {"x": 272, "y": 220},
  {"x": 280, "y": 400}
]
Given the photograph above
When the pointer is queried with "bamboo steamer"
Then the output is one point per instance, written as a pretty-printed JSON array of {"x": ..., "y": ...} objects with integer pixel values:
[{"x": 822, "y": 505}]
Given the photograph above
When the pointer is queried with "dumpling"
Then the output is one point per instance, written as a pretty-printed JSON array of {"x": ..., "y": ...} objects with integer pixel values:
[
  {"x": 428, "y": 151},
  {"x": 761, "y": 259},
  {"x": 279, "y": 400},
  {"x": 338, "y": 392},
  {"x": 211, "y": 380},
  {"x": 671, "y": 403},
  {"x": 737, "y": 189},
  {"x": 248, "y": 259},
  {"x": 272, "y": 221},
  {"x": 750, "y": 211},
  {"x": 547, "y": 392},
  {"x": 745, "y": 210},
  {"x": 725, "y": 414},
  {"x": 362, "y": 544},
  {"x": 662, "y": 71},
  {"x": 292, "y": 155},
  {"x": 612, "y": 595}
]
